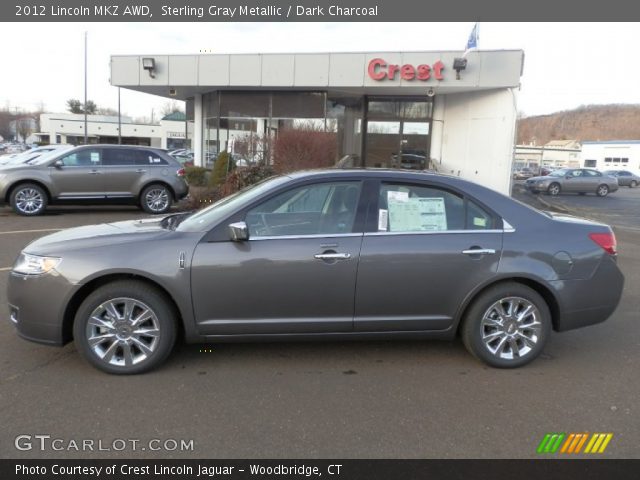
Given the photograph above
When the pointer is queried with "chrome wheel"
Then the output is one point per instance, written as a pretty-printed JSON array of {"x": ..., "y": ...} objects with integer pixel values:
[
  {"x": 29, "y": 200},
  {"x": 554, "y": 189},
  {"x": 157, "y": 199},
  {"x": 511, "y": 328},
  {"x": 123, "y": 332},
  {"x": 602, "y": 191}
]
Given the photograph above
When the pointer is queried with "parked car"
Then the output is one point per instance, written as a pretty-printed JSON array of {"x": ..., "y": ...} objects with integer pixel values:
[
  {"x": 325, "y": 255},
  {"x": 573, "y": 180},
  {"x": 96, "y": 173},
  {"x": 625, "y": 177},
  {"x": 523, "y": 173},
  {"x": 544, "y": 171},
  {"x": 30, "y": 155}
]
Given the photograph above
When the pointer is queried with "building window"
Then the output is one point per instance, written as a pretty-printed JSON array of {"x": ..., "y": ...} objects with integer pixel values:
[
  {"x": 608, "y": 160},
  {"x": 590, "y": 163},
  {"x": 624, "y": 160}
]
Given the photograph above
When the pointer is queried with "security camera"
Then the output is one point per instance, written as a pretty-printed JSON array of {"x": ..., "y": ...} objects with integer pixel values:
[
  {"x": 172, "y": 92},
  {"x": 430, "y": 92}
]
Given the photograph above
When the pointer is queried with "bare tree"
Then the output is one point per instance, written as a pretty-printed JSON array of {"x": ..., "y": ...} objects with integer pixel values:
[
  {"x": 170, "y": 107},
  {"x": 24, "y": 127}
]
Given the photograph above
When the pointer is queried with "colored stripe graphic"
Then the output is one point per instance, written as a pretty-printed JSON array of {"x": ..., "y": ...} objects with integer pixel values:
[
  {"x": 598, "y": 443},
  {"x": 551, "y": 442},
  {"x": 573, "y": 443}
]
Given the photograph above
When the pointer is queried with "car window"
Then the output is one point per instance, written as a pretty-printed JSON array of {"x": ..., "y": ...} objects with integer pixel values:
[
  {"x": 321, "y": 208},
  {"x": 412, "y": 208},
  {"x": 83, "y": 158},
  {"x": 592, "y": 173},
  {"x": 130, "y": 156}
]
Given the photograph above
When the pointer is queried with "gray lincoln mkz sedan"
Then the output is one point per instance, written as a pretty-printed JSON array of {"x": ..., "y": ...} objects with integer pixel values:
[{"x": 321, "y": 255}]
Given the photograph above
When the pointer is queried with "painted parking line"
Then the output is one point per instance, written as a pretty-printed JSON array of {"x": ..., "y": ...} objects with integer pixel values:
[{"x": 32, "y": 231}]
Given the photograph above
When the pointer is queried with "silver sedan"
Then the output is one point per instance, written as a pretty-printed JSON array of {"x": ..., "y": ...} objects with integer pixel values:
[{"x": 573, "y": 180}]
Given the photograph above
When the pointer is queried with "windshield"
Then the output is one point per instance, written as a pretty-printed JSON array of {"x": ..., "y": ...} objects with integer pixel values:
[
  {"x": 46, "y": 156},
  {"x": 559, "y": 173},
  {"x": 206, "y": 219}
]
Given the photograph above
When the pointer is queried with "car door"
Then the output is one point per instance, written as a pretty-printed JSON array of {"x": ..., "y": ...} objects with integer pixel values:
[
  {"x": 123, "y": 169},
  {"x": 295, "y": 274},
  {"x": 427, "y": 250},
  {"x": 80, "y": 176}
]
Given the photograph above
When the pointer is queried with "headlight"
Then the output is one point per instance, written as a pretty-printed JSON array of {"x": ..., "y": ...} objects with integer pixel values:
[{"x": 34, "y": 264}]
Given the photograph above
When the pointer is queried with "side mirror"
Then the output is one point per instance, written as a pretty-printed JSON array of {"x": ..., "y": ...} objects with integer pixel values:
[
  {"x": 238, "y": 232},
  {"x": 58, "y": 164}
]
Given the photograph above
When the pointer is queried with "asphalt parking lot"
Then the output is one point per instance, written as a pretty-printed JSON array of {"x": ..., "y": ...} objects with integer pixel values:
[{"x": 324, "y": 400}]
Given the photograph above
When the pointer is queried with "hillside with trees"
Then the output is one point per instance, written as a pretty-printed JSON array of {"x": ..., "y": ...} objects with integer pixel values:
[{"x": 589, "y": 122}]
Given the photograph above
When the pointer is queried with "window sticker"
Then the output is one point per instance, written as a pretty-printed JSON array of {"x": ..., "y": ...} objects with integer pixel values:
[
  {"x": 479, "y": 222},
  {"x": 397, "y": 196},
  {"x": 417, "y": 215},
  {"x": 95, "y": 157},
  {"x": 383, "y": 220}
]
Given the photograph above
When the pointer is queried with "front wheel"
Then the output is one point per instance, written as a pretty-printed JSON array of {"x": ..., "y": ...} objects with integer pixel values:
[
  {"x": 28, "y": 199},
  {"x": 633, "y": 184},
  {"x": 554, "y": 189},
  {"x": 507, "y": 326},
  {"x": 156, "y": 199},
  {"x": 602, "y": 190},
  {"x": 125, "y": 327}
]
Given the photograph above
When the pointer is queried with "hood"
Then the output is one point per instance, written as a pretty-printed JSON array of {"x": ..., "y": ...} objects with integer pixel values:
[
  {"x": 539, "y": 178},
  {"x": 92, "y": 236}
]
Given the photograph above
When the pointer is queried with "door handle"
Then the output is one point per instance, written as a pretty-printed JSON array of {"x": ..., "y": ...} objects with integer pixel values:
[
  {"x": 95, "y": 172},
  {"x": 479, "y": 251},
  {"x": 140, "y": 170},
  {"x": 332, "y": 256}
]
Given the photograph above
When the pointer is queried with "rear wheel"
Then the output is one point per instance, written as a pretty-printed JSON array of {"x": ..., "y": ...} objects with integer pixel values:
[
  {"x": 507, "y": 326},
  {"x": 633, "y": 184},
  {"x": 156, "y": 199},
  {"x": 125, "y": 327},
  {"x": 29, "y": 199},
  {"x": 602, "y": 190},
  {"x": 554, "y": 189}
]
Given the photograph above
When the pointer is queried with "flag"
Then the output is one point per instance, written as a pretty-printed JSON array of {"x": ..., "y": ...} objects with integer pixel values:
[{"x": 474, "y": 36}]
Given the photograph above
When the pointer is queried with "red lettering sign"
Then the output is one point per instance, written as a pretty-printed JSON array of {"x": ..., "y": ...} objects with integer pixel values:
[{"x": 379, "y": 70}]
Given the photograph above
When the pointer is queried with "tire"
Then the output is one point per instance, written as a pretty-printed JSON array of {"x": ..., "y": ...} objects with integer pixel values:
[
  {"x": 121, "y": 350},
  {"x": 633, "y": 184},
  {"x": 29, "y": 199},
  {"x": 554, "y": 189},
  {"x": 156, "y": 199},
  {"x": 602, "y": 191},
  {"x": 499, "y": 340}
]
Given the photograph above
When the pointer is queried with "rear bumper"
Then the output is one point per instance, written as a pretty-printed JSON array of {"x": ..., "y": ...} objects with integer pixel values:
[{"x": 591, "y": 301}]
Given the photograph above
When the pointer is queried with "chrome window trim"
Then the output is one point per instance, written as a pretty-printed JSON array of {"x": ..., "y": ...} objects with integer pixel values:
[
  {"x": 296, "y": 237},
  {"x": 431, "y": 232},
  {"x": 507, "y": 227}
]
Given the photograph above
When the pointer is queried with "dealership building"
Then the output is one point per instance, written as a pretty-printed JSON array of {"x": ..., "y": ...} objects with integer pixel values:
[{"x": 431, "y": 109}]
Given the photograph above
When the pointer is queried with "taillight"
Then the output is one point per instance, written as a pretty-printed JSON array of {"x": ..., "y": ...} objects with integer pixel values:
[
  {"x": 181, "y": 172},
  {"x": 606, "y": 240}
]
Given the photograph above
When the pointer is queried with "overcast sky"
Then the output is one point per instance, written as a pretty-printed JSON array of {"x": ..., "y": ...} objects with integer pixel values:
[{"x": 566, "y": 64}]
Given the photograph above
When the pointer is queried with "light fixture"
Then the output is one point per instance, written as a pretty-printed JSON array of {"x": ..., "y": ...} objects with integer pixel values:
[
  {"x": 431, "y": 92},
  {"x": 459, "y": 64},
  {"x": 172, "y": 92},
  {"x": 149, "y": 64}
]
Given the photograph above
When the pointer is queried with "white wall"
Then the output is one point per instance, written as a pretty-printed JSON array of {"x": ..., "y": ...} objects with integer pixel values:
[
  {"x": 600, "y": 151},
  {"x": 477, "y": 136}
]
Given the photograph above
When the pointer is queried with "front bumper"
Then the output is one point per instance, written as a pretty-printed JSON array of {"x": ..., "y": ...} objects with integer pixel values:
[{"x": 37, "y": 306}]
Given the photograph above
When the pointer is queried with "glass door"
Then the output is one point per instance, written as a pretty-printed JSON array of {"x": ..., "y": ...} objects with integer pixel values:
[{"x": 398, "y": 132}]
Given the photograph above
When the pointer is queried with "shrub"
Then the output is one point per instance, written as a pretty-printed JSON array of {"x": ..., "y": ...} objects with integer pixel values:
[
  {"x": 196, "y": 176},
  {"x": 200, "y": 197},
  {"x": 221, "y": 168},
  {"x": 244, "y": 177},
  {"x": 304, "y": 147}
]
